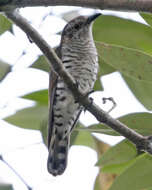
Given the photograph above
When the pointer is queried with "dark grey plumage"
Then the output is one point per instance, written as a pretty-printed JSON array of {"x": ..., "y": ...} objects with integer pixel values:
[{"x": 78, "y": 54}]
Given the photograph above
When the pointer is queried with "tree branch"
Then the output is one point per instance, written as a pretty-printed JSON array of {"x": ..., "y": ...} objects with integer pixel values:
[
  {"x": 127, "y": 5},
  {"x": 142, "y": 143}
]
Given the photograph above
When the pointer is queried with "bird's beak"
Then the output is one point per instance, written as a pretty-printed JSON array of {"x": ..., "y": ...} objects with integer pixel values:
[{"x": 92, "y": 17}]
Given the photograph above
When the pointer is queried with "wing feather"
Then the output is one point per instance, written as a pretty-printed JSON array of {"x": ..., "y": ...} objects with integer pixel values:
[{"x": 53, "y": 78}]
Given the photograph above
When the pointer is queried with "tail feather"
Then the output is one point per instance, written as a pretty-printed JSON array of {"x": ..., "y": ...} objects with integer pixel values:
[{"x": 57, "y": 159}]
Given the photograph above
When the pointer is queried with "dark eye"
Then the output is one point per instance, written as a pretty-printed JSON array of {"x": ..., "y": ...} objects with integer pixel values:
[{"x": 77, "y": 26}]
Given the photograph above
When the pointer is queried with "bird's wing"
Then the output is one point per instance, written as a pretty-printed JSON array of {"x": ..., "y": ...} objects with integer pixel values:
[{"x": 53, "y": 78}]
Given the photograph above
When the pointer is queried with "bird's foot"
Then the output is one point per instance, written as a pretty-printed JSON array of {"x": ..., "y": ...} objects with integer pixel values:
[{"x": 90, "y": 98}]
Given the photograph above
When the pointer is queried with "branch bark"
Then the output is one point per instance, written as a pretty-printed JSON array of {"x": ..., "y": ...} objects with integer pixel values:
[
  {"x": 127, "y": 5},
  {"x": 142, "y": 143}
]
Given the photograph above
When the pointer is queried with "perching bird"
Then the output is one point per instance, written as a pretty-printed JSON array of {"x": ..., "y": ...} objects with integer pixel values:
[{"x": 79, "y": 56}]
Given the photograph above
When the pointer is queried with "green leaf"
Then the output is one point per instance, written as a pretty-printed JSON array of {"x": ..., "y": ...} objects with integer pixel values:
[
  {"x": 141, "y": 89},
  {"x": 83, "y": 138},
  {"x": 41, "y": 63},
  {"x": 103, "y": 181},
  {"x": 137, "y": 176},
  {"x": 73, "y": 137},
  {"x": 149, "y": 188},
  {"x": 100, "y": 128},
  {"x": 147, "y": 17},
  {"x": 98, "y": 85},
  {"x": 5, "y": 24},
  {"x": 115, "y": 30},
  {"x": 130, "y": 62},
  {"x": 29, "y": 118},
  {"x": 6, "y": 187},
  {"x": 44, "y": 130},
  {"x": 104, "y": 68},
  {"x": 97, "y": 183},
  {"x": 40, "y": 97},
  {"x": 117, "y": 168},
  {"x": 75, "y": 133},
  {"x": 118, "y": 154},
  {"x": 5, "y": 68},
  {"x": 140, "y": 122}
]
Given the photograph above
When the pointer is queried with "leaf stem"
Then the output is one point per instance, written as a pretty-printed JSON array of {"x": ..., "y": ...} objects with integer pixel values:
[{"x": 15, "y": 172}]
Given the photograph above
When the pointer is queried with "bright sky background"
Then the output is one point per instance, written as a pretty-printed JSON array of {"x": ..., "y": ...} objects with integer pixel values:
[{"x": 24, "y": 149}]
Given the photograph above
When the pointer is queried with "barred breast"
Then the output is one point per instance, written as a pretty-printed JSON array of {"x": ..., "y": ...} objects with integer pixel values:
[{"x": 79, "y": 56}]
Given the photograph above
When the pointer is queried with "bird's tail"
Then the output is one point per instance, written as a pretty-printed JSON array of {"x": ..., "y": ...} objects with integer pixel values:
[{"x": 58, "y": 152}]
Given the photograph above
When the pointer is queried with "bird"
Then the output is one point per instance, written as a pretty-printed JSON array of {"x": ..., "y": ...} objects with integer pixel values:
[{"x": 78, "y": 54}]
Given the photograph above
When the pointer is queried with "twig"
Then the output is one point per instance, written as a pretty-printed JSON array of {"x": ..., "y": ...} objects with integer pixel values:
[
  {"x": 113, "y": 103},
  {"x": 17, "y": 174},
  {"x": 142, "y": 143}
]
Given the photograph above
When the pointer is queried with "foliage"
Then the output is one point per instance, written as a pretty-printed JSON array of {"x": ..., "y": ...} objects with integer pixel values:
[
  {"x": 6, "y": 187},
  {"x": 124, "y": 46}
]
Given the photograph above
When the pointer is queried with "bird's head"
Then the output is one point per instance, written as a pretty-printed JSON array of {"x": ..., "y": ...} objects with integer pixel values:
[{"x": 78, "y": 28}]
